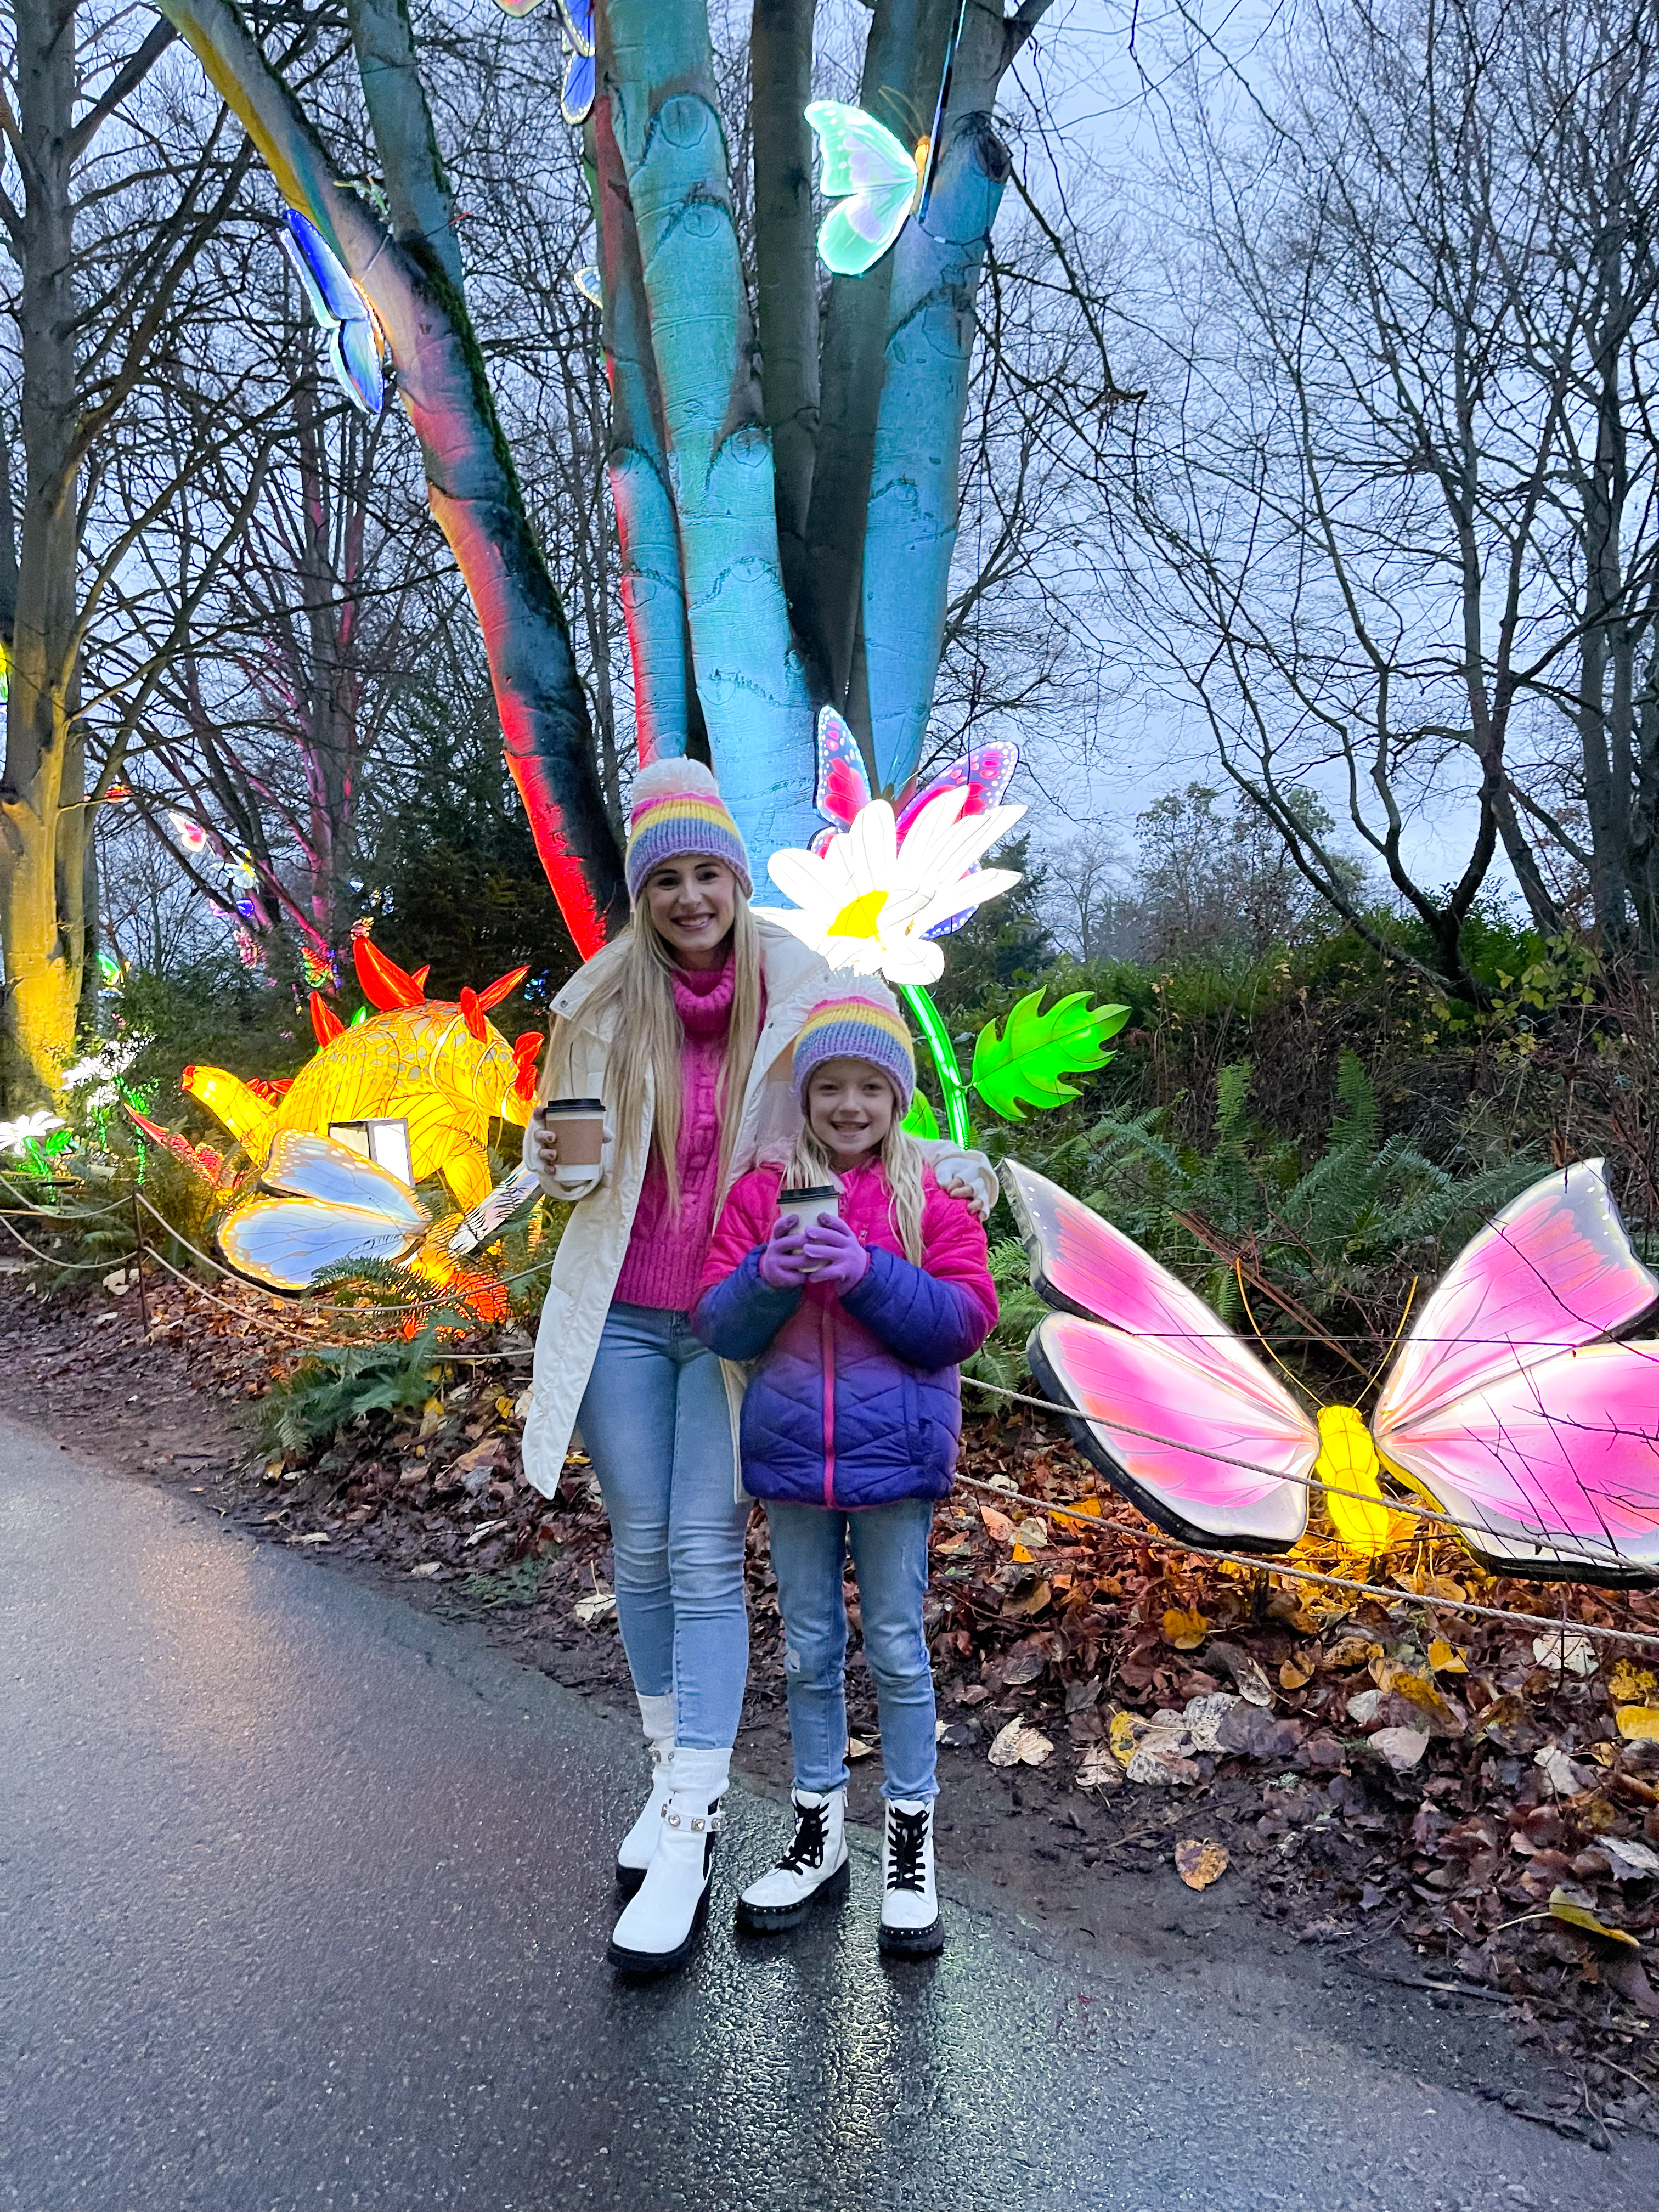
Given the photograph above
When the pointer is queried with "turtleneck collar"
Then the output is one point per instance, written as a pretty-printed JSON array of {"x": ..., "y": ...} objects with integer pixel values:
[{"x": 702, "y": 997}]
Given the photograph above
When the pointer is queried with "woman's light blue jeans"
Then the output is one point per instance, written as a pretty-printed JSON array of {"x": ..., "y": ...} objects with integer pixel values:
[
  {"x": 656, "y": 1424},
  {"x": 889, "y": 1544}
]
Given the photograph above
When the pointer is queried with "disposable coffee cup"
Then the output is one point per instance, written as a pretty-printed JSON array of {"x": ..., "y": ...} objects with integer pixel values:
[
  {"x": 579, "y": 1125},
  {"x": 818, "y": 1202}
]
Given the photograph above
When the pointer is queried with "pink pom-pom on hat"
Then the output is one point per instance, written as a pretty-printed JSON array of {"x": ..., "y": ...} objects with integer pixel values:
[{"x": 676, "y": 811}]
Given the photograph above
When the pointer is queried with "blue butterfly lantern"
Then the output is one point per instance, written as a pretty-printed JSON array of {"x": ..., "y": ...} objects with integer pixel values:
[
  {"x": 580, "y": 69},
  {"x": 356, "y": 342},
  {"x": 580, "y": 74}
]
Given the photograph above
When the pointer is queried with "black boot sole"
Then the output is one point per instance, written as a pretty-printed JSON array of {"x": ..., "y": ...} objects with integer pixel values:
[
  {"x": 628, "y": 1880},
  {"x": 911, "y": 1942},
  {"x": 774, "y": 1919}
]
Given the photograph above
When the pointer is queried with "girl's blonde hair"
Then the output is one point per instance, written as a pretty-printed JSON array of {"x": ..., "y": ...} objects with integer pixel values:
[
  {"x": 637, "y": 979},
  {"x": 901, "y": 1163}
]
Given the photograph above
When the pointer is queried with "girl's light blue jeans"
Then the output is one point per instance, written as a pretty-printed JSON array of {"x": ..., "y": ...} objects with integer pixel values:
[
  {"x": 889, "y": 1544},
  {"x": 655, "y": 1421}
]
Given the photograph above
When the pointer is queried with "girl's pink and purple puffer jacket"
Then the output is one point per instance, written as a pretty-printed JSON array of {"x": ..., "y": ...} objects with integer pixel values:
[{"x": 855, "y": 1401}]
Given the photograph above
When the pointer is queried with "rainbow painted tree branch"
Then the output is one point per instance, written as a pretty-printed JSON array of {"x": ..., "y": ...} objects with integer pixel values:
[{"x": 754, "y": 593}]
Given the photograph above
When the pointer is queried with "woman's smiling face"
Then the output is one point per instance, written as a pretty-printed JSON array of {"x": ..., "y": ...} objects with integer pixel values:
[{"x": 692, "y": 903}]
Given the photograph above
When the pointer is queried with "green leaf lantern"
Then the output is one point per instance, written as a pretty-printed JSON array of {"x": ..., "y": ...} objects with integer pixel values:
[
  {"x": 1026, "y": 1065},
  {"x": 921, "y": 1120}
]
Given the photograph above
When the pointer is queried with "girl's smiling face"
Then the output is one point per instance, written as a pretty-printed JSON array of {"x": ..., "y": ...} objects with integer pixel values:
[
  {"x": 692, "y": 903},
  {"x": 850, "y": 1106}
]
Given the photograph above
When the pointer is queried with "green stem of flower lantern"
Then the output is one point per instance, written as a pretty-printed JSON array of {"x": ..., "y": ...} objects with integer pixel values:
[{"x": 952, "y": 1087}]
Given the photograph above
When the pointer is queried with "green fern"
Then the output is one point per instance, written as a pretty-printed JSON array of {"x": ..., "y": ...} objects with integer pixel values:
[
  {"x": 1341, "y": 1238},
  {"x": 339, "y": 1384},
  {"x": 1000, "y": 1360}
]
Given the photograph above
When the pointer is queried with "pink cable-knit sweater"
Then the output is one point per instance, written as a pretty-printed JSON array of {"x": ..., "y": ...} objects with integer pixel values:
[{"x": 665, "y": 1253}]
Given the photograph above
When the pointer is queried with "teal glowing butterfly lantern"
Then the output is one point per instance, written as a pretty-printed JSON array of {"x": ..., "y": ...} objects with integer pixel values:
[
  {"x": 356, "y": 342},
  {"x": 878, "y": 182}
]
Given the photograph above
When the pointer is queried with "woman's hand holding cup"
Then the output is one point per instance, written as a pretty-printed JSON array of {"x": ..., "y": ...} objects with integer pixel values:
[{"x": 567, "y": 1144}]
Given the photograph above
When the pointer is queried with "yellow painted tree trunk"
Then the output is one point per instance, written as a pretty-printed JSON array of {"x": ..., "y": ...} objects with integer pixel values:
[{"x": 42, "y": 821}]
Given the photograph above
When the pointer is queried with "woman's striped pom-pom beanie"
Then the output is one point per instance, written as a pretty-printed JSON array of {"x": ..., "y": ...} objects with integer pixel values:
[
  {"x": 856, "y": 1028},
  {"x": 677, "y": 811}
]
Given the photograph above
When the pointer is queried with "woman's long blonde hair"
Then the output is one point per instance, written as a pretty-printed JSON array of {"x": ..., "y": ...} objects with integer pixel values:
[
  {"x": 901, "y": 1163},
  {"x": 638, "y": 980}
]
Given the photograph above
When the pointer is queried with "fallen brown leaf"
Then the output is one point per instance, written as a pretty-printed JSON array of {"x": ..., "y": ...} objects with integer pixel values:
[
  {"x": 1020, "y": 1745},
  {"x": 1185, "y": 1631},
  {"x": 1564, "y": 1908},
  {"x": 1200, "y": 1864}
]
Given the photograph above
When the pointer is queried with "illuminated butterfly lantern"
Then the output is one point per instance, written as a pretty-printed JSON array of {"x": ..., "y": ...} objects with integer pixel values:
[
  {"x": 343, "y": 314},
  {"x": 320, "y": 968},
  {"x": 879, "y": 181},
  {"x": 580, "y": 69},
  {"x": 576, "y": 23},
  {"x": 1512, "y": 1406}
]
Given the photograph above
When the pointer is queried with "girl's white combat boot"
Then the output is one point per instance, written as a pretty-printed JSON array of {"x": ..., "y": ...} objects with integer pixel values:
[
  {"x": 813, "y": 1867},
  {"x": 659, "y": 1923},
  {"x": 910, "y": 1925}
]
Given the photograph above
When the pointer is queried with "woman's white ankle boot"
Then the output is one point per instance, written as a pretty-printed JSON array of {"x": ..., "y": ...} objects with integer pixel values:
[
  {"x": 634, "y": 1852},
  {"x": 910, "y": 1925},
  {"x": 659, "y": 1923},
  {"x": 813, "y": 1867}
]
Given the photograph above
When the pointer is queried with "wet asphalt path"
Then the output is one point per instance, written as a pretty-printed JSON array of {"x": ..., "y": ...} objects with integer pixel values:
[{"x": 305, "y": 1899}]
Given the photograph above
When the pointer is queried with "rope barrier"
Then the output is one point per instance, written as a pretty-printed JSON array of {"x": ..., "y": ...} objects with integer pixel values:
[
  {"x": 302, "y": 1336},
  {"x": 1396, "y": 1595},
  {"x": 320, "y": 1343},
  {"x": 49, "y": 1259},
  {"x": 1254, "y": 1467}
]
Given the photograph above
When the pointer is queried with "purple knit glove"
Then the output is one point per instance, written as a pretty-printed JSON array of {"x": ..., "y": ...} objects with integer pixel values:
[
  {"x": 782, "y": 1261},
  {"x": 834, "y": 1254}
]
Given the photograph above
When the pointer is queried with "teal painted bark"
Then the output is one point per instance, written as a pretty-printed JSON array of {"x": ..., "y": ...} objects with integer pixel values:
[
  {"x": 910, "y": 525},
  {"x": 651, "y": 585},
  {"x": 748, "y": 674}
]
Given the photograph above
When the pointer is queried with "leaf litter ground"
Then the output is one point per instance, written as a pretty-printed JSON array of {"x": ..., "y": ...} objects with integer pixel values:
[{"x": 1446, "y": 1829}]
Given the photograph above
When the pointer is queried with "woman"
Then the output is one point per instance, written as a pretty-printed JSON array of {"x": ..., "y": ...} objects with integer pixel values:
[{"x": 684, "y": 1026}]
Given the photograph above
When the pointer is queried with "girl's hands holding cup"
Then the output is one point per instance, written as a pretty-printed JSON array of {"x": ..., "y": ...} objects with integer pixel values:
[
  {"x": 833, "y": 1255},
  {"x": 783, "y": 1258}
]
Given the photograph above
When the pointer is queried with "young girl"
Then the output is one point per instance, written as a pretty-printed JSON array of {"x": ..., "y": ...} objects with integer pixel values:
[{"x": 855, "y": 1324}]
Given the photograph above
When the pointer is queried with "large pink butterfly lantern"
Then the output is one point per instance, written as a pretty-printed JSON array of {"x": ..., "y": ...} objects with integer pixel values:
[{"x": 1514, "y": 1406}]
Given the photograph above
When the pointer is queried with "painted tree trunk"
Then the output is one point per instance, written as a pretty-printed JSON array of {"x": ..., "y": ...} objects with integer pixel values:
[
  {"x": 471, "y": 487},
  {"x": 652, "y": 586},
  {"x": 749, "y": 679},
  {"x": 42, "y": 825},
  {"x": 910, "y": 524}
]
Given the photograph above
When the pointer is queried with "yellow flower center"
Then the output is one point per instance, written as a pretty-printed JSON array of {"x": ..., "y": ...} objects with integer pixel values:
[{"x": 860, "y": 918}]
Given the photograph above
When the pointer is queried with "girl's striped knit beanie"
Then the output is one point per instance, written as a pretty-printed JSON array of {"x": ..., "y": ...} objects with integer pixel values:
[
  {"x": 856, "y": 1028},
  {"x": 677, "y": 811}
]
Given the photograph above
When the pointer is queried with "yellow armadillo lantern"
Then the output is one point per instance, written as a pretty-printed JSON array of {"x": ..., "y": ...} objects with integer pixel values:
[{"x": 439, "y": 1065}]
